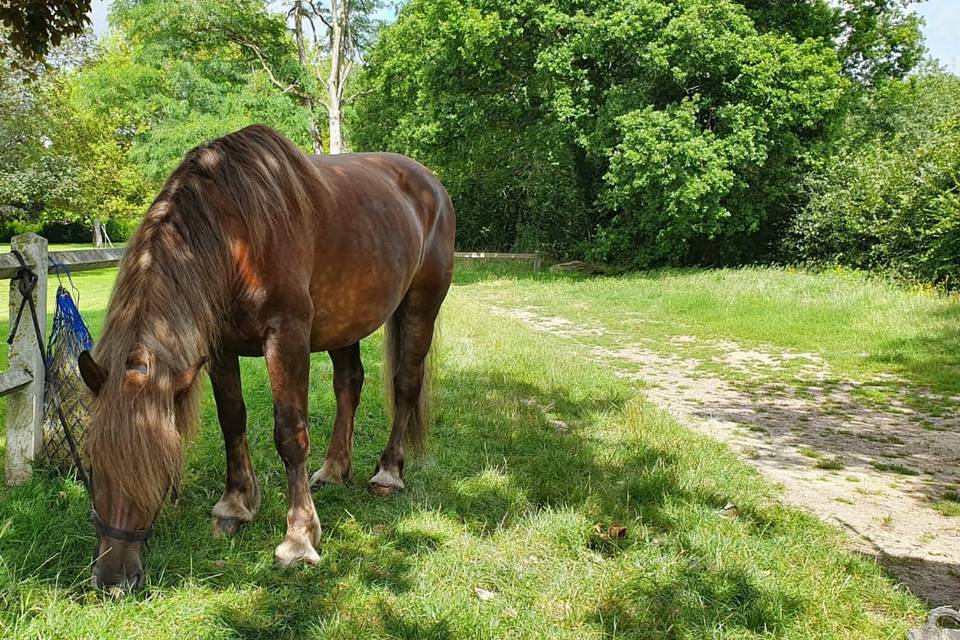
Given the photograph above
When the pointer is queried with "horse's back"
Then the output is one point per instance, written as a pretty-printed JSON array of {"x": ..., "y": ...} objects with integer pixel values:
[
  {"x": 389, "y": 227},
  {"x": 387, "y": 184}
]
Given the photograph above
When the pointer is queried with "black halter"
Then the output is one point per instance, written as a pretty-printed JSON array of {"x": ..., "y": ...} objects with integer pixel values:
[{"x": 105, "y": 530}]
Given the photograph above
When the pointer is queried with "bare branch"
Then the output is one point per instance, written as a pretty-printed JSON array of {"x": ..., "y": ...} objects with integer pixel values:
[
  {"x": 290, "y": 88},
  {"x": 356, "y": 95},
  {"x": 313, "y": 28},
  {"x": 317, "y": 12}
]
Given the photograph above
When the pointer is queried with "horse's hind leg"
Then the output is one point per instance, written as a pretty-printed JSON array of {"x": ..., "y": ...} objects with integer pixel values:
[
  {"x": 408, "y": 339},
  {"x": 241, "y": 497},
  {"x": 347, "y": 385}
]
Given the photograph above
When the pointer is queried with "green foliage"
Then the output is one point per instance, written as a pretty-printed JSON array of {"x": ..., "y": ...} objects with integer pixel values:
[
  {"x": 109, "y": 185},
  {"x": 34, "y": 27},
  {"x": 890, "y": 195},
  {"x": 171, "y": 77},
  {"x": 673, "y": 130},
  {"x": 33, "y": 177},
  {"x": 63, "y": 163},
  {"x": 881, "y": 39}
]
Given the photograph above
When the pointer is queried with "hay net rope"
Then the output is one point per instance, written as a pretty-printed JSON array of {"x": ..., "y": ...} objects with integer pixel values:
[{"x": 64, "y": 387}]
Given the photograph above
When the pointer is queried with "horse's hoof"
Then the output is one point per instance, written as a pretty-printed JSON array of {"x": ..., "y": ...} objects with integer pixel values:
[
  {"x": 294, "y": 551},
  {"x": 324, "y": 477},
  {"x": 385, "y": 484},
  {"x": 226, "y": 526}
]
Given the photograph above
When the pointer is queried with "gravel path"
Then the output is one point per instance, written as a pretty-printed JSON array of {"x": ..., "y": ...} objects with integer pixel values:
[{"x": 875, "y": 470}]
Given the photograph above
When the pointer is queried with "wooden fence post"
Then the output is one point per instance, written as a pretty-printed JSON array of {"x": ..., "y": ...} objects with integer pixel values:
[{"x": 25, "y": 404}]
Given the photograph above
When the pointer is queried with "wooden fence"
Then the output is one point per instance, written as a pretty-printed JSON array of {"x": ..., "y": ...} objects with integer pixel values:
[{"x": 22, "y": 382}]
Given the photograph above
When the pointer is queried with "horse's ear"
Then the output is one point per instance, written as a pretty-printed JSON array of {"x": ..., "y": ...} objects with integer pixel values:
[
  {"x": 92, "y": 373},
  {"x": 188, "y": 376}
]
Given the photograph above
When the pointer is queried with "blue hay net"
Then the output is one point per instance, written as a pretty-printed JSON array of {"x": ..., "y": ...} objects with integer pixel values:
[{"x": 64, "y": 386}]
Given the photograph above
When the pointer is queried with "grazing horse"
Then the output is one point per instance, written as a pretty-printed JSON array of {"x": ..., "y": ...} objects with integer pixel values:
[{"x": 254, "y": 249}]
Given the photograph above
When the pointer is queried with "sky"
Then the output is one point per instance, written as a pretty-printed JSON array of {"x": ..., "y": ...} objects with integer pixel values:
[{"x": 942, "y": 30}]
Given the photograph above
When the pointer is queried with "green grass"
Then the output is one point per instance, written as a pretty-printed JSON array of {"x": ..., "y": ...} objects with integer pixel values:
[
  {"x": 833, "y": 463},
  {"x": 502, "y": 502},
  {"x": 948, "y": 508},
  {"x": 891, "y": 467},
  {"x": 861, "y": 326}
]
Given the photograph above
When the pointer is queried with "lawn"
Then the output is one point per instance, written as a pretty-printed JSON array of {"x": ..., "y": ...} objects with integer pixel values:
[
  {"x": 862, "y": 326},
  {"x": 511, "y": 525}
]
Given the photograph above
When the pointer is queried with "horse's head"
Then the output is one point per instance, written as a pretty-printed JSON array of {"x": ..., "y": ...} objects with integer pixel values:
[{"x": 139, "y": 418}]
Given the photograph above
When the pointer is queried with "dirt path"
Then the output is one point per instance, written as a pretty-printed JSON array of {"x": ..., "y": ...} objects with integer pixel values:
[{"x": 876, "y": 468}]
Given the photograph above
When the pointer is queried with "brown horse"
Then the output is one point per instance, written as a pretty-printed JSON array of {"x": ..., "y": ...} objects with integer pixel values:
[{"x": 252, "y": 249}]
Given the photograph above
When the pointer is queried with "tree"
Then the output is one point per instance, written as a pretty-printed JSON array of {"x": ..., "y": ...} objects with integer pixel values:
[
  {"x": 110, "y": 186},
  {"x": 35, "y": 26},
  {"x": 346, "y": 23},
  {"x": 35, "y": 179},
  {"x": 171, "y": 84},
  {"x": 889, "y": 197},
  {"x": 314, "y": 64},
  {"x": 876, "y": 40},
  {"x": 327, "y": 56},
  {"x": 674, "y": 131}
]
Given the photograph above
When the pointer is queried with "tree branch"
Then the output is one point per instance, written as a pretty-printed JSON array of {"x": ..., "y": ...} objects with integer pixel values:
[
  {"x": 356, "y": 95},
  {"x": 290, "y": 88}
]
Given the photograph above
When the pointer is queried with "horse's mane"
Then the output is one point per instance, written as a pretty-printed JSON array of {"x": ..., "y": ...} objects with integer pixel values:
[{"x": 176, "y": 280}]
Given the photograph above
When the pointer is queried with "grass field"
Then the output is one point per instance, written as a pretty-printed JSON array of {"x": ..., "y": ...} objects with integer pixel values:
[{"x": 509, "y": 526}]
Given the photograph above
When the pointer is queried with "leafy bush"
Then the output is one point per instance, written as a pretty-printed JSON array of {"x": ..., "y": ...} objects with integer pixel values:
[
  {"x": 889, "y": 198},
  {"x": 120, "y": 230},
  {"x": 14, "y": 227},
  {"x": 59, "y": 231}
]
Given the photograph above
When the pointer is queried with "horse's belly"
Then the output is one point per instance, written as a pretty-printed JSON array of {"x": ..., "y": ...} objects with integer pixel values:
[{"x": 345, "y": 314}]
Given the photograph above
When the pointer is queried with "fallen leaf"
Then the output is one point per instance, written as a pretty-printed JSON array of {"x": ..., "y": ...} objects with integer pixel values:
[
  {"x": 483, "y": 594},
  {"x": 560, "y": 425},
  {"x": 730, "y": 511},
  {"x": 616, "y": 531},
  {"x": 219, "y": 564}
]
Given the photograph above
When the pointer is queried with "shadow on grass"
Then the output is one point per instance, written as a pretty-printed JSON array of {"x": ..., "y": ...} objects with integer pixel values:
[
  {"x": 544, "y": 469},
  {"x": 495, "y": 459},
  {"x": 931, "y": 361},
  {"x": 672, "y": 604}
]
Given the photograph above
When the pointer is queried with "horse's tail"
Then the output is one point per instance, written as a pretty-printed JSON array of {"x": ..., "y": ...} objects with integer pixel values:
[{"x": 418, "y": 426}]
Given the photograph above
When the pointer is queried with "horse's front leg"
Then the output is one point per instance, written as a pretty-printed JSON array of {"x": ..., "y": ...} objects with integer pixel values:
[
  {"x": 241, "y": 496},
  {"x": 287, "y": 352}
]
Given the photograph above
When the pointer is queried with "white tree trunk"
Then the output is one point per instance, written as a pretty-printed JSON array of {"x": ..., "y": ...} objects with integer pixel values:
[
  {"x": 339, "y": 25},
  {"x": 336, "y": 134}
]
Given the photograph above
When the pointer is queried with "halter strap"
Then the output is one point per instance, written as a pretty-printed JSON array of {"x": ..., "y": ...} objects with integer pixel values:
[{"x": 103, "y": 529}]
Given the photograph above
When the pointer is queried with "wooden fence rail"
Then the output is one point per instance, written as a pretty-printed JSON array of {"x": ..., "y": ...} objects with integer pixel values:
[{"x": 22, "y": 382}]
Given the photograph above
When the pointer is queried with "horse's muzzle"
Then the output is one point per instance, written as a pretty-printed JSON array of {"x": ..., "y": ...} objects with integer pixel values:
[
  {"x": 118, "y": 567},
  {"x": 124, "y": 582}
]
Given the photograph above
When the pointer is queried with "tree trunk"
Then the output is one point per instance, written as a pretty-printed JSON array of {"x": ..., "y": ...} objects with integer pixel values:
[
  {"x": 315, "y": 137},
  {"x": 339, "y": 25},
  {"x": 97, "y": 233},
  {"x": 336, "y": 134}
]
